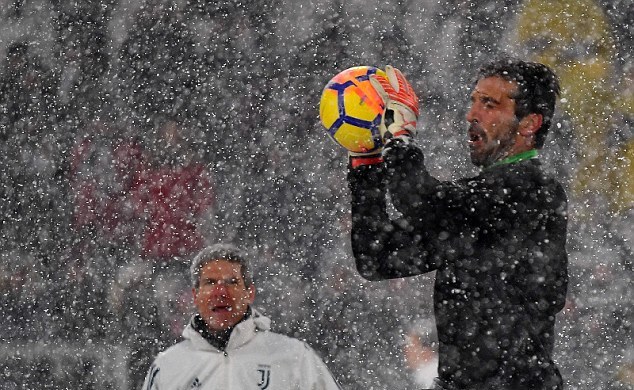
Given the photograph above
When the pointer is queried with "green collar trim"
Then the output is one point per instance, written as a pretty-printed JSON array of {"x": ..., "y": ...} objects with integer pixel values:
[{"x": 515, "y": 158}]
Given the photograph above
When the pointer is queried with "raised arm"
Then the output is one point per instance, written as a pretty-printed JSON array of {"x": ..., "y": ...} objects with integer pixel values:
[{"x": 384, "y": 248}]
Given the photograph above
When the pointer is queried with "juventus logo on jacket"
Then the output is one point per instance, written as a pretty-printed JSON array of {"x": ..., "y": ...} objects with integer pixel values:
[{"x": 265, "y": 376}]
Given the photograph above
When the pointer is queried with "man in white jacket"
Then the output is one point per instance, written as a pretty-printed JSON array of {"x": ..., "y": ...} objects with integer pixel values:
[{"x": 228, "y": 344}]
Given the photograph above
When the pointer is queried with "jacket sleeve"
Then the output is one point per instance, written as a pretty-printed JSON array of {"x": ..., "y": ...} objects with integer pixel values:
[
  {"x": 314, "y": 372},
  {"x": 404, "y": 245}
]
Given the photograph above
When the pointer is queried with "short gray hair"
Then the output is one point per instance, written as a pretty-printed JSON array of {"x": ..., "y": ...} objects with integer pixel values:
[{"x": 220, "y": 251}]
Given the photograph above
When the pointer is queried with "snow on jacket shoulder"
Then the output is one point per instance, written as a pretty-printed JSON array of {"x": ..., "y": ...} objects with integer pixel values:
[{"x": 255, "y": 358}]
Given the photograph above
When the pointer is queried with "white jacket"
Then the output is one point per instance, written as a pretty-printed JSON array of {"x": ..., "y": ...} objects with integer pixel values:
[{"x": 255, "y": 358}]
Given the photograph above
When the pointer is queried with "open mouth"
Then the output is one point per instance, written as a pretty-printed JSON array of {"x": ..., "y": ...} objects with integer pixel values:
[
  {"x": 222, "y": 309},
  {"x": 476, "y": 135}
]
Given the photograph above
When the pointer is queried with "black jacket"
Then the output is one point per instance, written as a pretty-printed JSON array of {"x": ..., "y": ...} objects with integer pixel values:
[{"x": 497, "y": 243}]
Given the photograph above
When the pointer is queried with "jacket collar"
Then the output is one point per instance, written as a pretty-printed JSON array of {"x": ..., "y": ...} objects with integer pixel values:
[
  {"x": 241, "y": 334},
  {"x": 533, "y": 153}
]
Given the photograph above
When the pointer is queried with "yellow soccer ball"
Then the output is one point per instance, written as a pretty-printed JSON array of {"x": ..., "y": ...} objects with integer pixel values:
[{"x": 351, "y": 109}]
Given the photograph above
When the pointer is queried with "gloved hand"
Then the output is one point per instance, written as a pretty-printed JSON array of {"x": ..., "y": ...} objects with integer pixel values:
[{"x": 401, "y": 112}]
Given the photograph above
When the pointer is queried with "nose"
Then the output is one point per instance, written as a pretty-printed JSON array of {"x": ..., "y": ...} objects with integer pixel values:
[
  {"x": 470, "y": 116},
  {"x": 220, "y": 289}
]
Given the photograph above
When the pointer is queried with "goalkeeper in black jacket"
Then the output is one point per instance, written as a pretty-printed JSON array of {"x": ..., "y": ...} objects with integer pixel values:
[{"x": 497, "y": 241}]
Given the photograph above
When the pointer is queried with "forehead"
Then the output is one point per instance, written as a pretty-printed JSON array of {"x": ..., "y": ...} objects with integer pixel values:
[
  {"x": 495, "y": 88},
  {"x": 221, "y": 269}
]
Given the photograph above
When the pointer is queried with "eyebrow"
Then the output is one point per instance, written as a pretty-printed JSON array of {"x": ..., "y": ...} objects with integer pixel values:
[
  {"x": 225, "y": 280},
  {"x": 483, "y": 97},
  {"x": 489, "y": 99}
]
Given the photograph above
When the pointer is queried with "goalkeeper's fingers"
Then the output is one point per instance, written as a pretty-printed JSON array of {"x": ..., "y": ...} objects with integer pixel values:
[
  {"x": 378, "y": 87},
  {"x": 401, "y": 90},
  {"x": 392, "y": 77}
]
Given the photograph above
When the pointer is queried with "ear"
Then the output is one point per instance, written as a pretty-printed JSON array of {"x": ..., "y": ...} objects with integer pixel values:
[
  {"x": 251, "y": 294},
  {"x": 530, "y": 124}
]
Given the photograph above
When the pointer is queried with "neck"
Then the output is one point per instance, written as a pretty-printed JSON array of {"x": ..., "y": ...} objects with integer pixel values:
[{"x": 217, "y": 338}]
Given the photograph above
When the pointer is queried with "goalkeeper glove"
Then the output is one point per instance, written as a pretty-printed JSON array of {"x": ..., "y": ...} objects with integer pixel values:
[{"x": 401, "y": 112}]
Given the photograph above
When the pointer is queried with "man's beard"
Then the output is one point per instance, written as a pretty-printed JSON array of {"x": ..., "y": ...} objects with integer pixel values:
[{"x": 491, "y": 151}]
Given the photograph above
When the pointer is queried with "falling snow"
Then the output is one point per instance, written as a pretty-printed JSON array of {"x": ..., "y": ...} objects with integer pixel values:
[{"x": 136, "y": 132}]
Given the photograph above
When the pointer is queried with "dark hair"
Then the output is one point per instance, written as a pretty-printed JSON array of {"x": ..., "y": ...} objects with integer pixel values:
[
  {"x": 215, "y": 252},
  {"x": 537, "y": 89}
]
